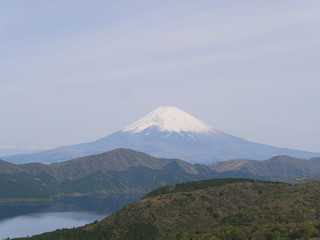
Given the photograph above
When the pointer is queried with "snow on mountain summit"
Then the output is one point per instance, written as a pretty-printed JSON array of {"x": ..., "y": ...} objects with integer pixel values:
[{"x": 170, "y": 119}]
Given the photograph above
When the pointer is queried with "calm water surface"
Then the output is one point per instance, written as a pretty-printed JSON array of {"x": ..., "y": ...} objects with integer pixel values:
[
  {"x": 68, "y": 212},
  {"x": 28, "y": 225}
]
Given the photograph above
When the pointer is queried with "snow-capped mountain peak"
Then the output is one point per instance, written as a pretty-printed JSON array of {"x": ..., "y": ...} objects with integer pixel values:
[{"x": 170, "y": 119}]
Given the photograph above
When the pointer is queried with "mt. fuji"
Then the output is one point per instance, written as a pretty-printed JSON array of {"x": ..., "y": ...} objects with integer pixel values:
[
  {"x": 169, "y": 119},
  {"x": 168, "y": 132}
]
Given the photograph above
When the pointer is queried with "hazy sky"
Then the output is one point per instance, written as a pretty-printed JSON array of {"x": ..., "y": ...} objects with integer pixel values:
[{"x": 74, "y": 71}]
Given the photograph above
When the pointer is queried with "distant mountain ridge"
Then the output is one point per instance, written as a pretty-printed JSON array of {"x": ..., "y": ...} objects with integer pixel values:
[
  {"x": 128, "y": 171},
  {"x": 168, "y": 132},
  {"x": 278, "y": 167},
  {"x": 117, "y": 171}
]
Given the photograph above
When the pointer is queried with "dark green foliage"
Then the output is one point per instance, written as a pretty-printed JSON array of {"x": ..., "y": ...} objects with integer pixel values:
[
  {"x": 211, "y": 209},
  {"x": 272, "y": 235},
  {"x": 75, "y": 234},
  {"x": 118, "y": 171},
  {"x": 196, "y": 185},
  {"x": 13, "y": 190},
  {"x": 142, "y": 231},
  {"x": 278, "y": 167},
  {"x": 304, "y": 179},
  {"x": 221, "y": 209},
  {"x": 124, "y": 171}
]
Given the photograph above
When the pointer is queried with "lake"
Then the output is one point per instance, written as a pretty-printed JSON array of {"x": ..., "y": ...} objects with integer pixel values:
[
  {"x": 66, "y": 212},
  {"x": 28, "y": 225}
]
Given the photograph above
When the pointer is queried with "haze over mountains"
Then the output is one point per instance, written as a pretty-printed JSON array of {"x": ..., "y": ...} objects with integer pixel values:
[
  {"x": 168, "y": 132},
  {"x": 9, "y": 150}
]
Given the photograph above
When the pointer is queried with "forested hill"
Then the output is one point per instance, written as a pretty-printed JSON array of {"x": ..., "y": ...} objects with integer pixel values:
[
  {"x": 277, "y": 167},
  {"x": 212, "y": 209},
  {"x": 128, "y": 171},
  {"x": 117, "y": 171}
]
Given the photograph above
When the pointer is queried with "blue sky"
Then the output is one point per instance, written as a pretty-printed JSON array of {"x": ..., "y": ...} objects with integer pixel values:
[{"x": 74, "y": 71}]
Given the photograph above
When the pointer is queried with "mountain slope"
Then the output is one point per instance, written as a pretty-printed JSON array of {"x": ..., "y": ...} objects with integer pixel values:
[
  {"x": 128, "y": 171},
  {"x": 278, "y": 167},
  {"x": 168, "y": 132},
  {"x": 117, "y": 171},
  {"x": 169, "y": 119},
  {"x": 212, "y": 209}
]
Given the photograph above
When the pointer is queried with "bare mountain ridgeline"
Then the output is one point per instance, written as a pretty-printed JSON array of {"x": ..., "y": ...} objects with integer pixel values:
[
  {"x": 168, "y": 132},
  {"x": 128, "y": 171}
]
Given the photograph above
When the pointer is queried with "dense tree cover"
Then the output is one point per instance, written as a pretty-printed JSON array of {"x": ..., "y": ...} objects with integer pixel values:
[
  {"x": 278, "y": 167},
  {"x": 196, "y": 185},
  {"x": 16, "y": 189},
  {"x": 127, "y": 171},
  {"x": 212, "y": 209},
  {"x": 303, "y": 179},
  {"x": 118, "y": 171}
]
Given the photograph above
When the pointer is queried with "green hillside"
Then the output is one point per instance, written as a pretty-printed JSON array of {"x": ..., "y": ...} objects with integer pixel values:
[
  {"x": 128, "y": 171},
  {"x": 278, "y": 167},
  {"x": 118, "y": 171},
  {"x": 212, "y": 209},
  {"x": 303, "y": 179},
  {"x": 15, "y": 191}
]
